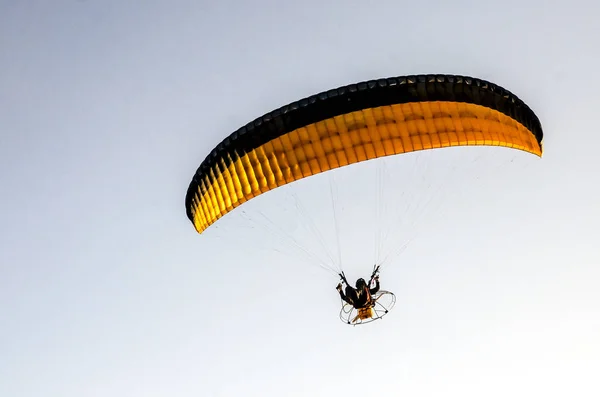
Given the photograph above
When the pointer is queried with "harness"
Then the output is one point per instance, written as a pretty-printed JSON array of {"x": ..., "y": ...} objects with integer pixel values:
[{"x": 366, "y": 309}]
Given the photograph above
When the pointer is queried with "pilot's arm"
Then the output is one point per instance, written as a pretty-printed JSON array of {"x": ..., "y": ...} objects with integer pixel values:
[{"x": 375, "y": 289}]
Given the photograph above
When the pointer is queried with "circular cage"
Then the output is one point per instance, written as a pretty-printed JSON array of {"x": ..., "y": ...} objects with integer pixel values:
[{"x": 382, "y": 303}]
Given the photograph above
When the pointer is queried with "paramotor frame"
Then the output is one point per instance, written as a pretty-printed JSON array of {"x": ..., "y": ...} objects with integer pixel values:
[{"x": 382, "y": 303}]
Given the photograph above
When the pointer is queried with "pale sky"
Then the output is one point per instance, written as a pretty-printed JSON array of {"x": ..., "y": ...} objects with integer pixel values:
[{"x": 108, "y": 107}]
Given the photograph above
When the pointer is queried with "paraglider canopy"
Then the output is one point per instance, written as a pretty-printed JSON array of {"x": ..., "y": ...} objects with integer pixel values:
[{"x": 355, "y": 123}]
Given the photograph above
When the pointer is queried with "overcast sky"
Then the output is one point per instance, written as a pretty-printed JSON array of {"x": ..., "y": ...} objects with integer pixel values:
[{"x": 108, "y": 107}]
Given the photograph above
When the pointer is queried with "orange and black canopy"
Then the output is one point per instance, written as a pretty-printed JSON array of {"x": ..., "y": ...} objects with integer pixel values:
[{"x": 354, "y": 123}]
